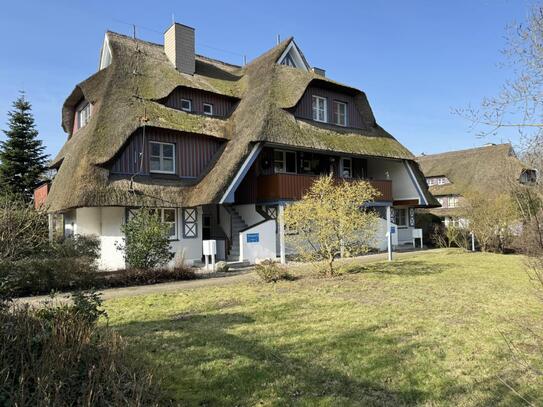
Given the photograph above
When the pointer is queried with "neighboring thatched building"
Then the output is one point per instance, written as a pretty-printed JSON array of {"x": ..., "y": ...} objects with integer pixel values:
[
  {"x": 219, "y": 148},
  {"x": 491, "y": 169}
]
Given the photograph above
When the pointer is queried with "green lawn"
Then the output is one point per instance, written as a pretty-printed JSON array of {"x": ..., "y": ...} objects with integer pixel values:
[{"x": 428, "y": 329}]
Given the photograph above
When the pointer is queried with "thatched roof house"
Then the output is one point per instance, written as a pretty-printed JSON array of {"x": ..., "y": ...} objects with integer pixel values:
[
  {"x": 490, "y": 169},
  {"x": 161, "y": 126}
]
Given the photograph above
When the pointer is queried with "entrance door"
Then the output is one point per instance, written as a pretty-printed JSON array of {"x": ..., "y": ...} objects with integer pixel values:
[{"x": 206, "y": 227}]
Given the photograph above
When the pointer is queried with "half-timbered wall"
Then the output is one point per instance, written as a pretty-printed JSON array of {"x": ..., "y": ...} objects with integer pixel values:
[
  {"x": 193, "y": 152},
  {"x": 304, "y": 108},
  {"x": 222, "y": 105}
]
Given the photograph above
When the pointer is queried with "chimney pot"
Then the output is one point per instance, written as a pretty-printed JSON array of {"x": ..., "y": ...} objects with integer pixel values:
[{"x": 179, "y": 47}]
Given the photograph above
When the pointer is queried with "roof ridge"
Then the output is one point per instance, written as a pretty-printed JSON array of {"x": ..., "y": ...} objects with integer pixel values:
[
  {"x": 156, "y": 44},
  {"x": 473, "y": 149}
]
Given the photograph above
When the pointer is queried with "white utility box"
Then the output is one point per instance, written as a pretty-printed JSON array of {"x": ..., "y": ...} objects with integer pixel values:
[{"x": 209, "y": 248}]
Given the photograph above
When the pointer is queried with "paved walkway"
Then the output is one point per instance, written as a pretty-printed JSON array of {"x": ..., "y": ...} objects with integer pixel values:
[{"x": 216, "y": 280}]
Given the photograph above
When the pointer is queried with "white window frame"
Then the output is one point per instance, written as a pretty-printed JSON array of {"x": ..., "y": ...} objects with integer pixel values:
[
  {"x": 83, "y": 112},
  {"x": 452, "y": 201},
  {"x": 342, "y": 167},
  {"x": 283, "y": 169},
  {"x": 190, "y": 105},
  {"x": 132, "y": 211},
  {"x": 315, "y": 99},
  {"x": 336, "y": 103},
  {"x": 210, "y": 109},
  {"x": 161, "y": 157}
]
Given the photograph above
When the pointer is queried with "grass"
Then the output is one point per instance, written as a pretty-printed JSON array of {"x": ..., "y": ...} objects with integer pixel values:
[{"x": 427, "y": 329}]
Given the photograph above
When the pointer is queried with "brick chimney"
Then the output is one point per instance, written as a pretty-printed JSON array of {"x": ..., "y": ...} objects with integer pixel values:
[{"x": 179, "y": 47}]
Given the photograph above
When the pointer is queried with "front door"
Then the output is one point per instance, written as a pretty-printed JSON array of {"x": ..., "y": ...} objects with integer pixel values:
[{"x": 206, "y": 227}]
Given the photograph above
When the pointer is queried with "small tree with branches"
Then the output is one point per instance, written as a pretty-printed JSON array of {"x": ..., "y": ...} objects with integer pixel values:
[{"x": 330, "y": 221}]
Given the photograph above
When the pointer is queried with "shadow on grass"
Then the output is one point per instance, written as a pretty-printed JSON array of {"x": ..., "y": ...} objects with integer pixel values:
[
  {"x": 398, "y": 268},
  {"x": 205, "y": 363}
]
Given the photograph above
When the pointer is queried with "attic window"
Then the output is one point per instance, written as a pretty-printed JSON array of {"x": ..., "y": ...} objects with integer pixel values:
[
  {"x": 208, "y": 109},
  {"x": 437, "y": 181},
  {"x": 287, "y": 60},
  {"x": 162, "y": 157},
  {"x": 340, "y": 113},
  {"x": 83, "y": 114},
  {"x": 319, "y": 109},
  {"x": 186, "y": 105},
  {"x": 293, "y": 57}
]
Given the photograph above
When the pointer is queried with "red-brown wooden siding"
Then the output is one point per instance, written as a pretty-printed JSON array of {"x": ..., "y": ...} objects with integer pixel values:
[
  {"x": 222, "y": 105},
  {"x": 304, "y": 108},
  {"x": 193, "y": 152},
  {"x": 294, "y": 186}
]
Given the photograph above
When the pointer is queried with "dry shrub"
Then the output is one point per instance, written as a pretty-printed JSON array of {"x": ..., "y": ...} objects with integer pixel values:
[
  {"x": 271, "y": 272},
  {"x": 129, "y": 277},
  {"x": 58, "y": 355}
]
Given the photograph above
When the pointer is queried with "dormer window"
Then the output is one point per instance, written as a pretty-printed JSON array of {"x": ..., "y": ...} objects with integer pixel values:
[
  {"x": 208, "y": 109},
  {"x": 162, "y": 157},
  {"x": 340, "y": 113},
  {"x": 83, "y": 114},
  {"x": 186, "y": 105},
  {"x": 437, "y": 181},
  {"x": 292, "y": 56},
  {"x": 319, "y": 109}
]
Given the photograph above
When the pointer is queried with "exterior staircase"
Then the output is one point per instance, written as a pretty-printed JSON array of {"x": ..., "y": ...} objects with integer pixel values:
[{"x": 238, "y": 224}]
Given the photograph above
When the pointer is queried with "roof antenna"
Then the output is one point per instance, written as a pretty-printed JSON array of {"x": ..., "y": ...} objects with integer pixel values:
[
  {"x": 173, "y": 18},
  {"x": 244, "y": 60},
  {"x": 278, "y": 39},
  {"x": 134, "y": 31}
]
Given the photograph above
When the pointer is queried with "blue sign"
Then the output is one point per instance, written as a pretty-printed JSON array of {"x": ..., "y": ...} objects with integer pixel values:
[
  {"x": 252, "y": 238},
  {"x": 393, "y": 229}
]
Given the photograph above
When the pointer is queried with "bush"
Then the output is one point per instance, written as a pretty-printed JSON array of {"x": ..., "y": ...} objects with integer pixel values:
[
  {"x": 271, "y": 272},
  {"x": 58, "y": 355},
  {"x": 146, "y": 242},
  {"x": 128, "y": 277},
  {"x": 64, "y": 265},
  {"x": 23, "y": 230},
  {"x": 38, "y": 276},
  {"x": 450, "y": 236}
]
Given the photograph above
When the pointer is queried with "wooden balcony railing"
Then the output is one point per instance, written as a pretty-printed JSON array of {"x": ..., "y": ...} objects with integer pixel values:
[{"x": 294, "y": 186}]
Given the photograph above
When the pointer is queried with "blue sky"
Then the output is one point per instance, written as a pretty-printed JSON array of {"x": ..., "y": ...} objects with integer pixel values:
[{"x": 416, "y": 60}]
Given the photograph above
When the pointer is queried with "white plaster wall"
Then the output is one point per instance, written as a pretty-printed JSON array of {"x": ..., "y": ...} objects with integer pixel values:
[
  {"x": 264, "y": 249},
  {"x": 112, "y": 218},
  {"x": 192, "y": 247},
  {"x": 402, "y": 185},
  {"x": 249, "y": 214}
]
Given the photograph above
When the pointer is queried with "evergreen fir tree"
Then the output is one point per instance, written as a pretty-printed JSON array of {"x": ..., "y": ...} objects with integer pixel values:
[{"x": 22, "y": 161}]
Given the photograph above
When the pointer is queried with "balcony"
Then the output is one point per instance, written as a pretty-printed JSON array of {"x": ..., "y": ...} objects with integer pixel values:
[{"x": 293, "y": 186}]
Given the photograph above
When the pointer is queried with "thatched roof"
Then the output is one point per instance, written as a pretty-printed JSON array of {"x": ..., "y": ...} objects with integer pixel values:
[
  {"x": 126, "y": 95},
  {"x": 486, "y": 169}
]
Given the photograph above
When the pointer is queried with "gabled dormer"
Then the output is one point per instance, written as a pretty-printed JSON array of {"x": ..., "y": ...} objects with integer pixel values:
[
  {"x": 292, "y": 56},
  {"x": 105, "y": 54}
]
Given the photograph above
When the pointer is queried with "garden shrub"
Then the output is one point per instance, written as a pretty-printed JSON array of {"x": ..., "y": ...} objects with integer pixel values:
[
  {"x": 271, "y": 272},
  {"x": 65, "y": 264},
  {"x": 23, "y": 230},
  {"x": 59, "y": 355},
  {"x": 146, "y": 242},
  {"x": 133, "y": 276}
]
